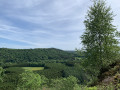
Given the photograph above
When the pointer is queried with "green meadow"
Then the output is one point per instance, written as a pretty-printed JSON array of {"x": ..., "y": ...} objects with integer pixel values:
[
  {"x": 33, "y": 68},
  {"x": 19, "y": 69}
]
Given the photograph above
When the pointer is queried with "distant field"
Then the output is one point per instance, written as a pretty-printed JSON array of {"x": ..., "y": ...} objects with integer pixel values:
[
  {"x": 33, "y": 68},
  {"x": 19, "y": 69}
]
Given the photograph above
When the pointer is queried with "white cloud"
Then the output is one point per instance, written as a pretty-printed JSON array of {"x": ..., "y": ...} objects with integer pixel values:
[{"x": 55, "y": 23}]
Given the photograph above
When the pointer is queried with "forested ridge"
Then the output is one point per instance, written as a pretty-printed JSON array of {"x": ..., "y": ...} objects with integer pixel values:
[{"x": 34, "y": 55}]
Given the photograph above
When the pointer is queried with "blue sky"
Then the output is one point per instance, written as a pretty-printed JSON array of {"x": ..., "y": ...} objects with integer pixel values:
[{"x": 46, "y": 23}]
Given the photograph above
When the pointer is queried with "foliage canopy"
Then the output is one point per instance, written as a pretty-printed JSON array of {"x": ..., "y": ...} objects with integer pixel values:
[{"x": 100, "y": 45}]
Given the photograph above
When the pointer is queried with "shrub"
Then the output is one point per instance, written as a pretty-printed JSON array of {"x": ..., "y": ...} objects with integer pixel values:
[
  {"x": 31, "y": 80},
  {"x": 65, "y": 83}
]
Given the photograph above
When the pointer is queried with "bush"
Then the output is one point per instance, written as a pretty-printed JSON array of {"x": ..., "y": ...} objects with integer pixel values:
[
  {"x": 65, "y": 83},
  {"x": 1, "y": 73},
  {"x": 31, "y": 80}
]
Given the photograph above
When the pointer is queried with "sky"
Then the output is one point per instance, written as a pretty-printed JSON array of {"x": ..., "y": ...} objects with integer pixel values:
[{"x": 46, "y": 23}]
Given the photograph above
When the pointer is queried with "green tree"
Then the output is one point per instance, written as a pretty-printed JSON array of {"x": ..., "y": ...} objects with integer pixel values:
[
  {"x": 30, "y": 80},
  {"x": 1, "y": 74},
  {"x": 100, "y": 45},
  {"x": 64, "y": 83}
]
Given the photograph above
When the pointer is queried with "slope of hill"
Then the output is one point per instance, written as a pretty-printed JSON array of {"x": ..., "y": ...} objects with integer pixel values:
[
  {"x": 109, "y": 79},
  {"x": 34, "y": 55},
  {"x": 110, "y": 76}
]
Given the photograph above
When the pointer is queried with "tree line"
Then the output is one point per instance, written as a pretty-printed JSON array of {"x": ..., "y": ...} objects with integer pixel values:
[{"x": 34, "y": 55}]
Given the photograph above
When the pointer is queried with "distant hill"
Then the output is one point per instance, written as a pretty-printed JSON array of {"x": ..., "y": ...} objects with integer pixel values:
[
  {"x": 71, "y": 51},
  {"x": 34, "y": 55}
]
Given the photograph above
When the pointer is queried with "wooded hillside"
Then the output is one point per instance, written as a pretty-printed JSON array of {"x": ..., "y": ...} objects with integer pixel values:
[{"x": 34, "y": 55}]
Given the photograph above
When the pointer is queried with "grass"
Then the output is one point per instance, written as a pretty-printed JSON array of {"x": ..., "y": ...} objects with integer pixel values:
[
  {"x": 33, "y": 68},
  {"x": 19, "y": 69}
]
